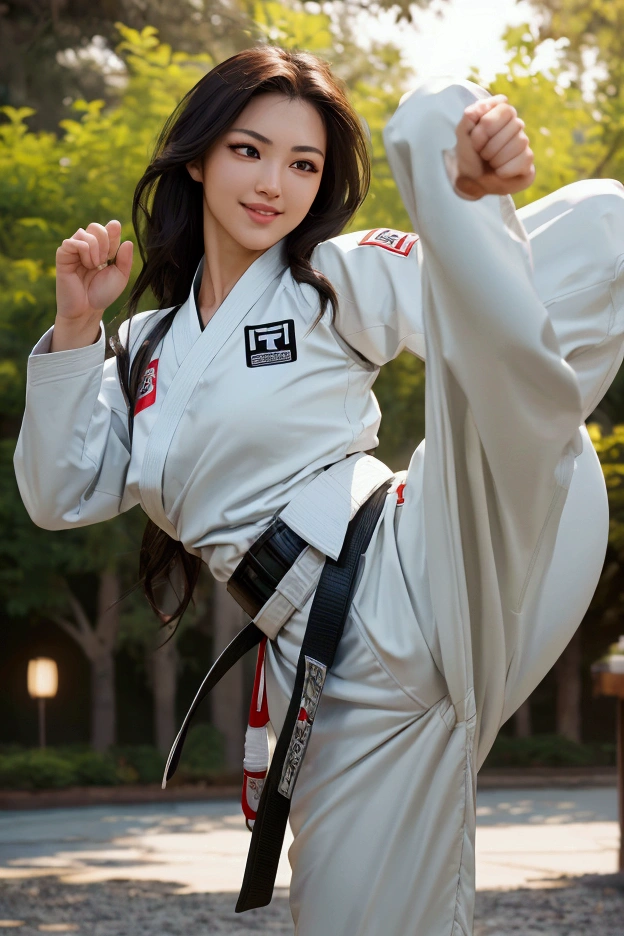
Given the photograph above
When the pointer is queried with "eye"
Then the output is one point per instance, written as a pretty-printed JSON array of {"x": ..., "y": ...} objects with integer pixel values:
[
  {"x": 304, "y": 162},
  {"x": 247, "y": 146}
]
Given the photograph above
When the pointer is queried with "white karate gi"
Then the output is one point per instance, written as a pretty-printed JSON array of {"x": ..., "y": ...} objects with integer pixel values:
[{"x": 470, "y": 589}]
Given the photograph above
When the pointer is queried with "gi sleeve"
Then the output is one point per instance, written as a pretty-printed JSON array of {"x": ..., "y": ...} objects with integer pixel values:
[
  {"x": 378, "y": 288},
  {"x": 73, "y": 449},
  {"x": 503, "y": 408}
]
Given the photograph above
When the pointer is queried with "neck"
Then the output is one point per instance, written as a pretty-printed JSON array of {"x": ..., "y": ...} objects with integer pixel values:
[{"x": 225, "y": 262}]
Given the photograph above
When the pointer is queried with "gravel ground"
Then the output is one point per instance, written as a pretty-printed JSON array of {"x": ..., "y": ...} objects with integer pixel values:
[{"x": 575, "y": 907}]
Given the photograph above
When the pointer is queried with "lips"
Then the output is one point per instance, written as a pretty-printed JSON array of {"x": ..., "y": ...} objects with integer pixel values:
[
  {"x": 258, "y": 206},
  {"x": 261, "y": 218}
]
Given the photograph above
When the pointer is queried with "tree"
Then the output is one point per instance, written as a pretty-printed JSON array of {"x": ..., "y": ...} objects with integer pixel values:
[
  {"x": 590, "y": 33},
  {"x": 52, "y": 51},
  {"x": 73, "y": 579},
  {"x": 586, "y": 30},
  {"x": 55, "y": 50},
  {"x": 568, "y": 701}
]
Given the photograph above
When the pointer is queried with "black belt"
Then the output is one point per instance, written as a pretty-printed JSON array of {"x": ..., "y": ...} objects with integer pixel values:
[
  {"x": 264, "y": 565},
  {"x": 324, "y": 629}
]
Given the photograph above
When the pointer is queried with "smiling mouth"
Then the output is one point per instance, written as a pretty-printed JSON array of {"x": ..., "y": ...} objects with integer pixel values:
[{"x": 265, "y": 214}]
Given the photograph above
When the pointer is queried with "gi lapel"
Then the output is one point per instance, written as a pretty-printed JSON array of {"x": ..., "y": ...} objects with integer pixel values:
[
  {"x": 237, "y": 304},
  {"x": 186, "y": 329}
]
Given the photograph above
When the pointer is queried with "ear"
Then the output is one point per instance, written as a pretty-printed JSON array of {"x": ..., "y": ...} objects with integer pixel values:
[{"x": 195, "y": 171}]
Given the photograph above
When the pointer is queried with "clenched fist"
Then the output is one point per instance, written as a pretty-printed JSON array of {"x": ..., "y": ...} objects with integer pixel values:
[
  {"x": 92, "y": 270},
  {"x": 493, "y": 153}
]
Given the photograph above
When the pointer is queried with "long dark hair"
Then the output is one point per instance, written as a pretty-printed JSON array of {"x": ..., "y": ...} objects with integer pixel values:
[{"x": 167, "y": 214}]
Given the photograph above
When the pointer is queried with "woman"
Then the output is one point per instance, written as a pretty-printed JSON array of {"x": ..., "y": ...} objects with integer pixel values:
[{"x": 247, "y": 394}]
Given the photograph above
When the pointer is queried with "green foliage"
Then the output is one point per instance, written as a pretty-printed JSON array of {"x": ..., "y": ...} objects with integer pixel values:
[
  {"x": 56, "y": 768},
  {"x": 203, "y": 755},
  {"x": 51, "y": 769},
  {"x": 547, "y": 750},
  {"x": 49, "y": 186},
  {"x": 140, "y": 763}
]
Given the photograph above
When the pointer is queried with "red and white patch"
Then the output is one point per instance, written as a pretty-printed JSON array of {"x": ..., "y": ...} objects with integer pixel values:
[
  {"x": 399, "y": 493},
  {"x": 147, "y": 391},
  {"x": 397, "y": 242}
]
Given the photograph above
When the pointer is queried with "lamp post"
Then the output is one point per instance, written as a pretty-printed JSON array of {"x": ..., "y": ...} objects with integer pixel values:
[{"x": 42, "y": 685}]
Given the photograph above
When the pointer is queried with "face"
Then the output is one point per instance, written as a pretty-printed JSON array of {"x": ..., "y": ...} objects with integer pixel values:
[{"x": 272, "y": 160}]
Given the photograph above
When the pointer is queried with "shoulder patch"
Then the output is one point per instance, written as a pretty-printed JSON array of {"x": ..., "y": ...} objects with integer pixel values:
[{"x": 395, "y": 241}]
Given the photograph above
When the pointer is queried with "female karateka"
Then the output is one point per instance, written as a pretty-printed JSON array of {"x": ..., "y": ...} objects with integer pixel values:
[{"x": 246, "y": 397}]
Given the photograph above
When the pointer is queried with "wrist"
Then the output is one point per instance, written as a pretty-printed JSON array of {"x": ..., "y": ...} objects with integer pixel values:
[
  {"x": 452, "y": 171},
  {"x": 69, "y": 334}
]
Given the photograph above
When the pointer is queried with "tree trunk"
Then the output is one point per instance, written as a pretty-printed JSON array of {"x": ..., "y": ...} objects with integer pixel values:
[
  {"x": 568, "y": 676},
  {"x": 227, "y": 699},
  {"x": 103, "y": 702},
  {"x": 164, "y": 682},
  {"x": 522, "y": 720},
  {"x": 103, "y": 707},
  {"x": 98, "y": 644}
]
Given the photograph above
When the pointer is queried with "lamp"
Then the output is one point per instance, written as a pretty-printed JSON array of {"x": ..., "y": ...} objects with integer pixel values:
[{"x": 42, "y": 685}]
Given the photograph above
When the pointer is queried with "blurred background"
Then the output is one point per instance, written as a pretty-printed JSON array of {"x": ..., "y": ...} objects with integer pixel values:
[{"x": 84, "y": 89}]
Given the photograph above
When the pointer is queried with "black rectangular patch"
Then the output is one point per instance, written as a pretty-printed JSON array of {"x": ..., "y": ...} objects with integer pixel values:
[{"x": 273, "y": 343}]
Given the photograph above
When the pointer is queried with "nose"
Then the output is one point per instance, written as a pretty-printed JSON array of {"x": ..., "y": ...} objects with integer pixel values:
[{"x": 269, "y": 183}]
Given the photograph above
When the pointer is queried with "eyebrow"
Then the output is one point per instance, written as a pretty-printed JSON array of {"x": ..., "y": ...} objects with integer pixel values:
[{"x": 293, "y": 149}]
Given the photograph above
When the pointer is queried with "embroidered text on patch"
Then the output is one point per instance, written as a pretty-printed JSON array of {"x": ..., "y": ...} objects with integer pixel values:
[
  {"x": 147, "y": 392},
  {"x": 395, "y": 241},
  {"x": 313, "y": 682},
  {"x": 273, "y": 343}
]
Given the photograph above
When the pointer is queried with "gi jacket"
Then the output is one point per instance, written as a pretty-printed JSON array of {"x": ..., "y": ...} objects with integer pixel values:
[{"x": 237, "y": 422}]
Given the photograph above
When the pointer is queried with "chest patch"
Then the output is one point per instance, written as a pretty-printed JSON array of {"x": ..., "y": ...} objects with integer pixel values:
[
  {"x": 147, "y": 391},
  {"x": 397, "y": 242},
  {"x": 270, "y": 344}
]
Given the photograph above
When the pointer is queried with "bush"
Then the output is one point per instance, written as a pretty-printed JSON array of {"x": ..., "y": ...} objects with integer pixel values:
[
  {"x": 139, "y": 763},
  {"x": 78, "y": 765},
  {"x": 35, "y": 770},
  {"x": 548, "y": 750},
  {"x": 54, "y": 768},
  {"x": 93, "y": 769},
  {"x": 204, "y": 754}
]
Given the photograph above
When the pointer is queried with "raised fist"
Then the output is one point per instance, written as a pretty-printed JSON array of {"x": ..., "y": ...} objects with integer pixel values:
[
  {"x": 92, "y": 270},
  {"x": 493, "y": 153}
]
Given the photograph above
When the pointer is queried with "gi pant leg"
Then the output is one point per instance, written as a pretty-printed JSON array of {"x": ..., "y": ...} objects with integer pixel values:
[{"x": 383, "y": 814}]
